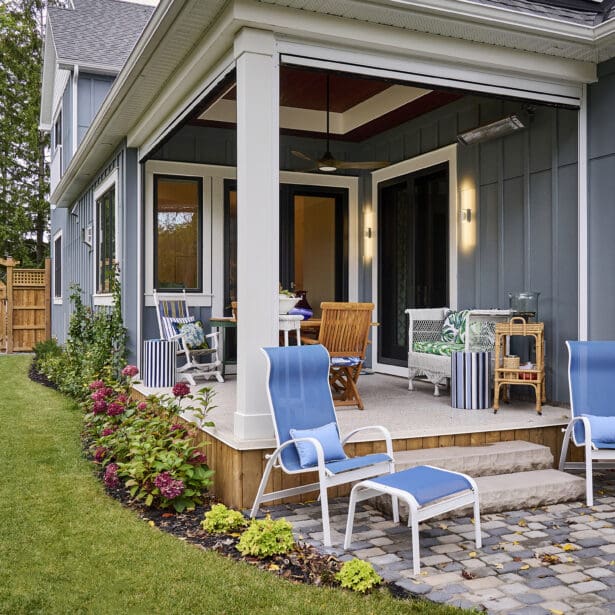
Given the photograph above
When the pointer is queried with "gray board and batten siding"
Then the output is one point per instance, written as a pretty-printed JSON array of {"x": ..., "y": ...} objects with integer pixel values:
[
  {"x": 78, "y": 262},
  {"x": 601, "y": 203},
  {"x": 526, "y": 193}
]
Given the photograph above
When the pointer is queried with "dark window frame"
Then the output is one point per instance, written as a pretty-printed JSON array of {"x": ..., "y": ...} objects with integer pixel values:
[
  {"x": 57, "y": 131},
  {"x": 200, "y": 238},
  {"x": 57, "y": 266}
]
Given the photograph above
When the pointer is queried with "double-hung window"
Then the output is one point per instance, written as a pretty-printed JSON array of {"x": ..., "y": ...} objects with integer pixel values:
[{"x": 178, "y": 232}]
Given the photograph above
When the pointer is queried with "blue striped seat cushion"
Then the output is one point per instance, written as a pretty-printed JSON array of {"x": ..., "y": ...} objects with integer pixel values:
[{"x": 345, "y": 361}]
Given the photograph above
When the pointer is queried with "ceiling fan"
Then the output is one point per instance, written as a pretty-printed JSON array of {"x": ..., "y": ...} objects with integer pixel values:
[{"x": 327, "y": 163}]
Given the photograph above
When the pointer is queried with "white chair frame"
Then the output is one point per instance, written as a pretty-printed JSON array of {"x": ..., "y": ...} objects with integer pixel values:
[{"x": 191, "y": 367}]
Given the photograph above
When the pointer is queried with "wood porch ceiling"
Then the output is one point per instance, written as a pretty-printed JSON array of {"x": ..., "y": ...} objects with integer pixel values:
[{"x": 360, "y": 107}]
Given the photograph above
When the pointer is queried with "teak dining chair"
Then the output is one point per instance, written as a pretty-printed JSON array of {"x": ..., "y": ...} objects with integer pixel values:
[{"x": 344, "y": 332}]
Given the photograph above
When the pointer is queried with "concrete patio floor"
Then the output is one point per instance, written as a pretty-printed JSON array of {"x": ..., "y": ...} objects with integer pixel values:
[
  {"x": 549, "y": 560},
  {"x": 407, "y": 414}
]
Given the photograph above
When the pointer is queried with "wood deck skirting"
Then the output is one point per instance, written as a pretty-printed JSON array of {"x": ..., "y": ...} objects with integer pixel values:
[{"x": 238, "y": 473}]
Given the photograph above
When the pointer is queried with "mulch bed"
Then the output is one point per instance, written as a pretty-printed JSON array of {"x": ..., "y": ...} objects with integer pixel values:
[{"x": 36, "y": 376}]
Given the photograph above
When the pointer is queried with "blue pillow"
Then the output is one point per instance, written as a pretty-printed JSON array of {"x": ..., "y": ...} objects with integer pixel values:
[
  {"x": 327, "y": 435},
  {"x": 192, "y": 334},
  {"x": 603, "y": 427}
]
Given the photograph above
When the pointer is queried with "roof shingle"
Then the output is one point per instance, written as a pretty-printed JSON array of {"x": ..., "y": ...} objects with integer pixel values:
[{"x": 98, "y": 32}]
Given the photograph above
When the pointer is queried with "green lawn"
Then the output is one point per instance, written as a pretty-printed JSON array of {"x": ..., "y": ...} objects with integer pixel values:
[{"x": 65, "y": 547}]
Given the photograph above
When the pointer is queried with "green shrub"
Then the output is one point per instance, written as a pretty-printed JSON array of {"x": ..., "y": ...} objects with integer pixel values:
[
  {"x": 358, "y": 575},
  {"x": 95, "y": 345},
  {"x": 44, "y": 351},
  {"x": 266, "y": 537},
  {"x": 221, "y": 520}
]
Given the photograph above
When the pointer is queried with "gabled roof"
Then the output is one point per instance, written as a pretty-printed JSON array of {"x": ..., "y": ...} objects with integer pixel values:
[
  {"x": 581, "y": 12},
  {"x": 97, "y": 33}
]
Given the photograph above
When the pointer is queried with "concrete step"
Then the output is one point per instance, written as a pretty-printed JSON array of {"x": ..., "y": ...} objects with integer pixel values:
[
  {"x": 497, "y": 458},
  {"x": 514, "y": 491}
]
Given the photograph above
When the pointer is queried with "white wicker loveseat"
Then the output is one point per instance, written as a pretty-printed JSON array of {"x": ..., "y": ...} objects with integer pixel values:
[{"x": 429, "y": 355}]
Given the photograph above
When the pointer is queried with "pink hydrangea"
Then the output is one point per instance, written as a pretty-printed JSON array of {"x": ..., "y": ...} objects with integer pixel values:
[
  {"x": 100, "y": 453},
  {"x": 111, "y": 478},
  {"x": 98, "y": 395},
  {"x": 108, "y": 391},
  {"x": 198, "y": 457},
  {"x": 97, "y": 384},
  {"x": 100, "y": 406},
  {"x": 130, "y": 371},
  {"x": 181, "y": 389},
  {"x": 142, "y": 405},
  {"x": 121, "y": 398},
  {"x": 113, "y": 409},
  {"x": 169, "y": 487},
  {"x": 177, "y": 427},
  {"x": 107, "y": 431}
]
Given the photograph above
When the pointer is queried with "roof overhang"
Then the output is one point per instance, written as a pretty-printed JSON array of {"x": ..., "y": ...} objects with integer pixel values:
[{"x": 185, "y": 39}]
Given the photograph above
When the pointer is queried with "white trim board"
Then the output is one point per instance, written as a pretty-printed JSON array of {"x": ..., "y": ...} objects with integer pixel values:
[
  {"x": 111, "y": 181},
  {"x": 448, "y": 155}
]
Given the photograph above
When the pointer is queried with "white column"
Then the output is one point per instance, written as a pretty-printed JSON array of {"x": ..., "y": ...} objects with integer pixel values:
[{"x": 257, "y": 225}]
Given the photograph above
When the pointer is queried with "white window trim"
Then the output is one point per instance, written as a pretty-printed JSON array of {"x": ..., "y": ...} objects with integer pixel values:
[
  {"x": 105, "y": 299},
  {"x": 58, "y": 300},
  {"x": 187, "y": 169},
  {"x": 446, "y": 154}
]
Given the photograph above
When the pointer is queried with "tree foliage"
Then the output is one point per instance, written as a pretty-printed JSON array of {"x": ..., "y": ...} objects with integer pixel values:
[{"x": 24, "y": 211}]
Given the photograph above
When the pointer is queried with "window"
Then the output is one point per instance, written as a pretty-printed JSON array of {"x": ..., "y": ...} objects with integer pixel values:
[
  {"x": 57, "y": 132},
  {"x": 105, "y": 240},
  {"x": 57, "y": 268},
  {"x": 178, "y": 240}
]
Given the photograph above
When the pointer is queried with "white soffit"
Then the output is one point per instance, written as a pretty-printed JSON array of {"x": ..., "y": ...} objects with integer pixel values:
[{"x": 294, "y": 118}]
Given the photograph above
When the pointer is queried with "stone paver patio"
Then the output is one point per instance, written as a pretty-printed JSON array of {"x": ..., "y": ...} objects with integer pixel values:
[{"x": 554, "y": 559}]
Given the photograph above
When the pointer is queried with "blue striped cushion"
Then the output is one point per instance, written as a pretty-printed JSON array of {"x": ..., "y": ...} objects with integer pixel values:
[{"x": 168, "y": 323}]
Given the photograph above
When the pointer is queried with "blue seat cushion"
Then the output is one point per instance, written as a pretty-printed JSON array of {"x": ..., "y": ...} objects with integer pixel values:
[
  {"x": 329, "y": 438},
  {"x": 352, "y": 463},
  {"x": 603, "y": 430},
  {"x": 426, "y": 484},
  {"x": 345, "y": 361}
]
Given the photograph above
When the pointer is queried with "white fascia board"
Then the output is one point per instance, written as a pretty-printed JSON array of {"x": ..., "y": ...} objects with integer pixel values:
[
  {"x": 500, "y": 16},
  {"x": 47, "y": 81},
  {"x": 333, "y": 31},
  {"x": 95, "y": 69}
]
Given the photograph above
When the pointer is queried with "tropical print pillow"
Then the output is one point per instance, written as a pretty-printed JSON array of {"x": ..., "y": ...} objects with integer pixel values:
[
  {"x": 445, "y": 349},
  {"x": 454, "y": 327}
]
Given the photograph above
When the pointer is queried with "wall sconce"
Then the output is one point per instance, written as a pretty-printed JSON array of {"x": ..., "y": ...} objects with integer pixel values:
[
  {"x": 499, "y": 128},
  {"x": 465, "y": 215},
  {"x": 368, "y": 232},
  {"x": 86, "y": 235}
]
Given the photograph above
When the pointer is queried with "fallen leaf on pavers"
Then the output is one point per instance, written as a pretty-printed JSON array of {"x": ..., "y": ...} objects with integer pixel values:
[
  {"x": 472, "y": 521},
  {"x": 466, "y": 574},
  {"x": 522, "y": 522},
  {"x": 524, "y": 567},
  {"x": 569, "y": 547},
  {"x": 570, "y": 559},
  {"x": 499, "y": 566},
  {"x": 556, "y": 612},
  {"x": 472, "y": 554},
  {"x": 443, "y": 526},
  {"x": 546, "y": 558}
]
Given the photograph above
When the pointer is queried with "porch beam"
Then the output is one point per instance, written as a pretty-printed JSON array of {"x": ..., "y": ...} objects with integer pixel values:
[
  {"x": 583, "y": 221},
  {"x": 258, "y": 181}
]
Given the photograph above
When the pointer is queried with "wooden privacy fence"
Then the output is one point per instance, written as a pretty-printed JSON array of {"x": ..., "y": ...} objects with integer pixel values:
[{"x": 25, "y": 307}]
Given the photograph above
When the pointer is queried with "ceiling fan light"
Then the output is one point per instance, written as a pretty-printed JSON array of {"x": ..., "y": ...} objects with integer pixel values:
[{"x": 326, "y": 168}]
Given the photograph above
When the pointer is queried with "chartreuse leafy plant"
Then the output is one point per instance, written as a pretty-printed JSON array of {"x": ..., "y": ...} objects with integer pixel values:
[
  {"x": 222, "y": 520},
  {"x": 358, "y": 575},
  {"x": 266, "y": 537}
]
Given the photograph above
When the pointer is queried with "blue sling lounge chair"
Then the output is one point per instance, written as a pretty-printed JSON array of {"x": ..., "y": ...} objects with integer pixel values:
[
  {"x": 307, "y": 432},
  {"x": 591, "y": 375}
]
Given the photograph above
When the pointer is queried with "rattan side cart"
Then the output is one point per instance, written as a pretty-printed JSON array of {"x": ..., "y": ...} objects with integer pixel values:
[{"x": 506, "y": 375}]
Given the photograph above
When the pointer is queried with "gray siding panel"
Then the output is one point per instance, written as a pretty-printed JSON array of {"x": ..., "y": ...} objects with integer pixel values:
[{"x": 92, "y": 90}]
